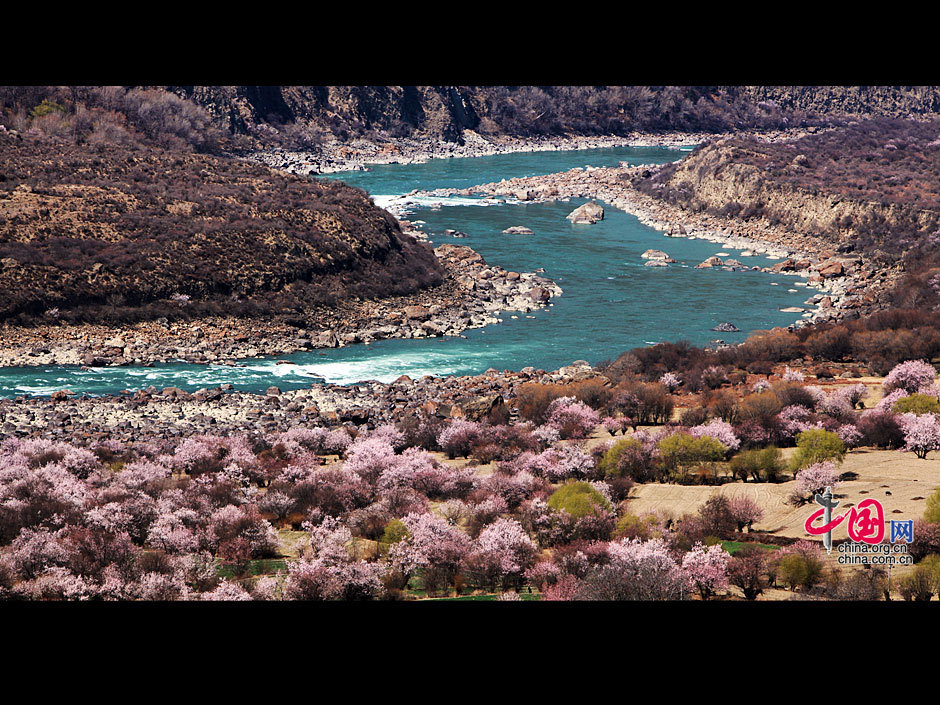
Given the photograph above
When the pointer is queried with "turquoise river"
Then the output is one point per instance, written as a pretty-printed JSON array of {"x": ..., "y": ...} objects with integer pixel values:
[{"x": 611, "y": 301}]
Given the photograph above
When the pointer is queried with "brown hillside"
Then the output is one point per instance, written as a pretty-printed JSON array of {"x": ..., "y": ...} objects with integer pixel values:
[{"x": 84, "y": 228}]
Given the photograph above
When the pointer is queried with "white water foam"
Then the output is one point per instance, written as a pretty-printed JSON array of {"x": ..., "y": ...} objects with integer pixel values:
[
  {"x": 36, "y": 390},
  {"x": 404, "y": 202},
  {"x": 384, "y": 368}
]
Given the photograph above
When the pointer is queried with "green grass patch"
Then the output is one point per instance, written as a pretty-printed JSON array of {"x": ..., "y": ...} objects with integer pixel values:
[
  {"x": 259, "y": 566},
  {"x": 733, "y": 547}
]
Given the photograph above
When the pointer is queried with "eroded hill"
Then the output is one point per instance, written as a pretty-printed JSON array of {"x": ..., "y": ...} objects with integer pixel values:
[{"x": 143, "y": 232}]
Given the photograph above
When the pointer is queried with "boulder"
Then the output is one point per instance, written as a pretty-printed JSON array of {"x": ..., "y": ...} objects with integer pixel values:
[
  {"x": 357, "y": 415},
  {"x": 676, "y": 231},
  {"x": 479, "y": 408},
  {"x": 589, "y": 213},
  {"x": 417, "y": 313},
  {"x": 539, "y": 294},
  {"x": 90, "y": 360},
  {"x": 831, "y": 269},
  {"x": 518, "y": 230}
]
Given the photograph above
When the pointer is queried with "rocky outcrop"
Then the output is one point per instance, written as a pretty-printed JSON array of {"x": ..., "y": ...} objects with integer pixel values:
[
  {"x": 588, "y": 213},
  {"x": 831, "y": 269},
  {"x": 89, "y": 234},
  {"x": 443, "y": 111}
]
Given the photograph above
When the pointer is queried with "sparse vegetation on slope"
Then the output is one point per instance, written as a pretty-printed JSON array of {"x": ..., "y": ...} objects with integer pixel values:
[{"x": 145, "y": 232}]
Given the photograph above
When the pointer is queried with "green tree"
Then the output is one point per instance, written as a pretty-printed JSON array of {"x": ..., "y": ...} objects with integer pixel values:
[
  {"x": 797, "y": 570},
  {"x": 45, "y": 107},
  {"x": 917, "y": 404},
  {"x": 681, "y": 450},
  {"x": 923, "y": 582},
  {"x": 633, "y": 526},
  {"x": 815, "y": 446},
  {"x": 609, "y": 463},
  {"x": 578, "y": 499},
  {"x": 932, "y": 512},
  {"x": 762, "y": 464},
  {"x": 394, "y": 532}
]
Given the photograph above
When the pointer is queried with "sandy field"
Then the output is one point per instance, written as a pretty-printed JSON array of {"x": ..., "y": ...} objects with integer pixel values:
[{"x": 900, "y": 481}]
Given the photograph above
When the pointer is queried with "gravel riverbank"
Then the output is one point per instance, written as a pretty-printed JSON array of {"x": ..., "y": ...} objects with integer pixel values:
[
  {"x": 472, "y": 296},
  {"x": 151, "y": 415},
  {"x": 358, "y": 155}
]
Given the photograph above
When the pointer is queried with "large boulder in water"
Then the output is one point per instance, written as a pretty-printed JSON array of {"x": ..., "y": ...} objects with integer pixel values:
[
  {"x": 539, "y": 294},
  {"x": 588, "y": 213}
]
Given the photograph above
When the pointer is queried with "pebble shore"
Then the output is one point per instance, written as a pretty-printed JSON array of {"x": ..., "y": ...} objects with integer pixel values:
[{"x": 152, "y": 415}]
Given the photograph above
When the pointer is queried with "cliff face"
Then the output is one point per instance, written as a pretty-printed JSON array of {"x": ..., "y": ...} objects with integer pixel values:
[
  {"x": 441, "y": 111},
  {"x": 872, "y": 183},
  {"x": 718, "y": 180},
  {"x": 219, "y": 119}
]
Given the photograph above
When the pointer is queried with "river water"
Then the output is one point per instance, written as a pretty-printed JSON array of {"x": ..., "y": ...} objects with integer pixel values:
[{"x": 611, "y": 301}]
